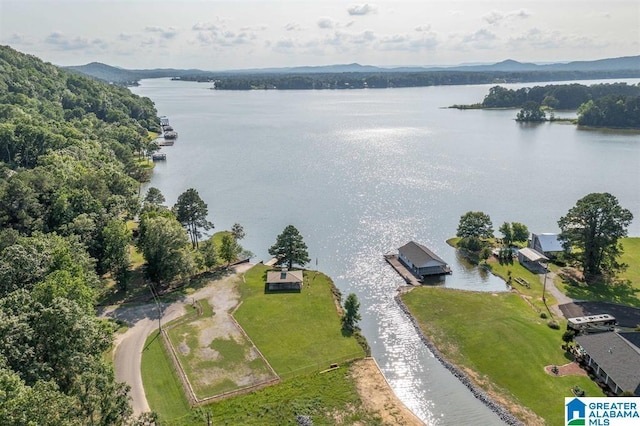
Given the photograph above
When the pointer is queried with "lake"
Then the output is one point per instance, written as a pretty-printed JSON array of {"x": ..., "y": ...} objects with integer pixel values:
[{"x": 362, "y": 172}]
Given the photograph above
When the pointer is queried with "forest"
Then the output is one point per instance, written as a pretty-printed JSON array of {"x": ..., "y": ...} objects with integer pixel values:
[
  {"x": 614, "y": 105},
  {"x": 69, "y": 180}
]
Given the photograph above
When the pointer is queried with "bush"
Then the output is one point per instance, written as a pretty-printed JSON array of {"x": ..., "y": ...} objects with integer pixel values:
[
  {"x": 577, "y": 391},
  {"x": 554, "y": 325},
  {"x": 568, "y": 336},
  {"x": 543, "y": 315}
]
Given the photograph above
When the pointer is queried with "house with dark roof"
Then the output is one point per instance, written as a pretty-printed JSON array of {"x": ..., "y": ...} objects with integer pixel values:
[
  {"x": 546, "y": 243},
  {"x": 284, "y": 280},
  {"x": 421, "y": 261},
  {"x": 614, "y": 358}
]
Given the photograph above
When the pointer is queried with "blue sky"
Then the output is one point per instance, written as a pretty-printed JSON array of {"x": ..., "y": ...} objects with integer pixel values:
[{"x": 218, "y": 35}]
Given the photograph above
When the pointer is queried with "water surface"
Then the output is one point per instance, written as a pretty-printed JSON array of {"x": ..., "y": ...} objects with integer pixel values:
[{"x": 362, "y": 172}]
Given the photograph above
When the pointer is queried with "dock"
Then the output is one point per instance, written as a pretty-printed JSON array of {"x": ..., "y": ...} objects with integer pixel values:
[{"x": 410, "y": 279}]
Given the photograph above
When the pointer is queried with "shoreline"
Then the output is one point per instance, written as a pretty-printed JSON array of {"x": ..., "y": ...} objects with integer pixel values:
[{"x": 504, "y": 414}]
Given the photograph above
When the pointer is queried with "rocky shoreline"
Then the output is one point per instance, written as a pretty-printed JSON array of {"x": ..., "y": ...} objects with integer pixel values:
[{"x": 502, "y": 412}]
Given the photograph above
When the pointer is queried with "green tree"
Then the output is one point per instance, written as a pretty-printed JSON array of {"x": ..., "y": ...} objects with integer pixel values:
[
  {"x": 507, "y": 233},
  {"x": 237, "y": 231},
  {"x": 351, "y": 314},
  {"x": 209, "y": 253},
  {"x": 520, "y": 232},
  {"x": 192, "y": 212},
  {"x": 154, "y": 198},
  {"x": 593, "y": 227},
  {"x": 290, "y": 248},
  {"x": 163, "y": 243},
  {"x": 115, "y": 259},
  {"x": 475, "y": 224},
  {"x": 229, "y": 248},
  {"x": 531, "y": 112}
]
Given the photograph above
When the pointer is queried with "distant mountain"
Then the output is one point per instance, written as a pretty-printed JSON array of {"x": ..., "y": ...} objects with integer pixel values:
[
  {"x": 106, "y": 73},
  {"x": 123, "y": 76}
]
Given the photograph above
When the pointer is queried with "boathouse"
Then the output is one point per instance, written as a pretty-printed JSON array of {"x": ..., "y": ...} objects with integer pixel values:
[
  {"x": 421, "y": 261},
  {"x": 284, "y": 280},
  {"x": 614, "y": 359}
]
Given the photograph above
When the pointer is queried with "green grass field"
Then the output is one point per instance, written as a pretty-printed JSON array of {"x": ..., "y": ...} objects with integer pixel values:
[
  {"x": 504, "y": 341},
  {"x": 631, "y": 257},
  {"x": 329, "y": 399},
  {"x": 161, "y": 384},
  {"x": 534, "y": 291},
  {"x": 296, "y": 332}
]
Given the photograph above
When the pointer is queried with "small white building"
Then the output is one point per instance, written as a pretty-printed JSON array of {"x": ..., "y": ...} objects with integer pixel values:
[{"x": 284, "y": 280}]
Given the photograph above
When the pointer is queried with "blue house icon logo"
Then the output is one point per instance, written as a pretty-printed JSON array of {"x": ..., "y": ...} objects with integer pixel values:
[{"x": 575, "y": 414}]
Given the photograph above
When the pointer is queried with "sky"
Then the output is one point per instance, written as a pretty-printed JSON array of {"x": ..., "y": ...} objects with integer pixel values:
[{"x": 241, "y": 34}]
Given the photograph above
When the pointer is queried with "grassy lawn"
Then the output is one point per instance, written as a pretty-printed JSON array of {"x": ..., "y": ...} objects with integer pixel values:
[
  {"x": 504, "y": 342},
  {"x": 534, "y": 292},
  {"x": 161, "y": 384},
  {"x": 631, "y": 257},
  {"x": 296, "y": 332},
  {"x": 329, "y": 399}
]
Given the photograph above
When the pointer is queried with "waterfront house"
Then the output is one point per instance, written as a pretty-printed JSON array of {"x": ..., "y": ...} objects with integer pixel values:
[
  {"x": 421, "y": 261},
  {"x": 614, "y": 359},
  {"x": 547, "y": 244},
  {"x": 284, "y": 280}
]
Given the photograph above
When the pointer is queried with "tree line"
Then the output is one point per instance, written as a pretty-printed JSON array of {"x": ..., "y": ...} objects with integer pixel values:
[{"x": 388, "y": 79}]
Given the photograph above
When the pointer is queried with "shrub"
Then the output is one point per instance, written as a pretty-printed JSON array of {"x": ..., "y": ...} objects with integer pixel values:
[
  {"x": 568, "y": 336},
  {"x": 543, "y": 315},
  {"x": 577, "y": 391},
  {"x": 554, "y": 325}
]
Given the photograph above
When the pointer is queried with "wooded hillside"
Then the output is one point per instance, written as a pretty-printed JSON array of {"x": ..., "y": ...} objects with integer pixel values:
[{"x": 68, "y": 182}]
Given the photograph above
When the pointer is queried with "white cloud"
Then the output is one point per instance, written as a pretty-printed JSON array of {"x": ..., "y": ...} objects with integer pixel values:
[
  {"x": 496, "y": 17},
  {"x": 362, "y": 9},
  {"x": 61, "y": 41},
  {"x": 164, "y": 32},
  {"x": 326, "y": 23},
  {"x": 292, "y": 26},
  {"x": 423, "y": 28},
  {"x": 481, "y": 39}
]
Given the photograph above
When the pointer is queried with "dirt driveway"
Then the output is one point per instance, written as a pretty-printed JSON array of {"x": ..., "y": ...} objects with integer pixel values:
[{"x": 143, "y": 320}]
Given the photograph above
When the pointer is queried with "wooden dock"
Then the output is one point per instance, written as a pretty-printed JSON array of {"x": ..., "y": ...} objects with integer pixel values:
[{"x": 410, "y": 279}]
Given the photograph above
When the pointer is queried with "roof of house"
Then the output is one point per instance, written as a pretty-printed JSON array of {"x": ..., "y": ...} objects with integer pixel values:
[
  {"x": 419, "y": 255},
  {"x": 618, "y": 354},
  {"x": 532, "y": 255},
  {"x": 282, "y": 277},
  {"x": 549, "y": 242}
]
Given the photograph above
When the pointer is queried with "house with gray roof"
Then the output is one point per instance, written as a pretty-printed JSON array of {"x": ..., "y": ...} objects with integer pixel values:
[
  {"x": 421, "y": 261},
  {"x": 284, "y": 280},
  {"x": 547, "y": 244},
  {"x": 614, "y": 358}
]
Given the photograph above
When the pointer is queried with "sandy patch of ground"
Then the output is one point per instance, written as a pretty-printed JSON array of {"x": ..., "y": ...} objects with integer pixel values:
[
  {"x": 376, "y": 394},
  {"x": 569, "y": 369}
]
